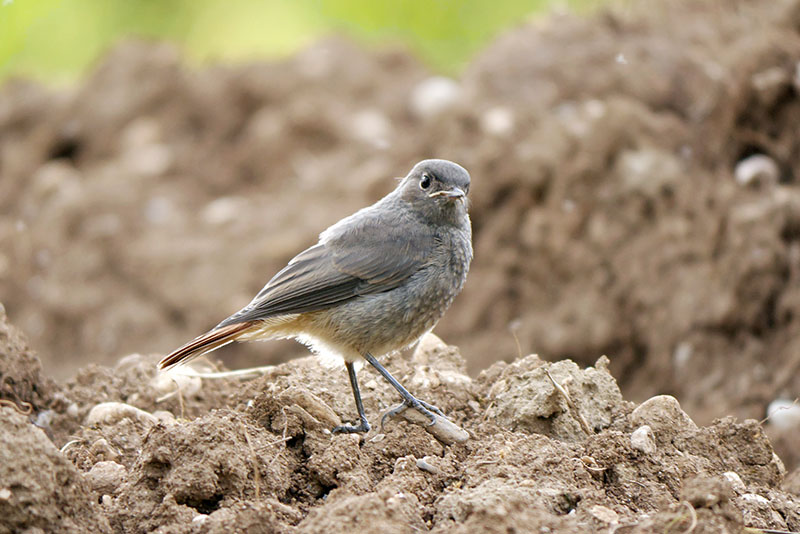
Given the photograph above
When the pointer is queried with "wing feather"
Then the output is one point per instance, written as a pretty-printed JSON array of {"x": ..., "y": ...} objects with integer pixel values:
[{"x": 367, "y": 256}]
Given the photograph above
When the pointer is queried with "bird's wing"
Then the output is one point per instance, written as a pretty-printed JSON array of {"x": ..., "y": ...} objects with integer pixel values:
[{"x": 367, "y": 258}]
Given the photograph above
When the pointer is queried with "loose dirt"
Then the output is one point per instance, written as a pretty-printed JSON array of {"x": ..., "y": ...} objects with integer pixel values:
[
  {"x": 634, "y": 195},
  {"x": 142, "y": 454}
]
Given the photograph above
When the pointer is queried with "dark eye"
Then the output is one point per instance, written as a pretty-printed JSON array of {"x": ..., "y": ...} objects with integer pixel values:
[{"x": 425, "y": 181}]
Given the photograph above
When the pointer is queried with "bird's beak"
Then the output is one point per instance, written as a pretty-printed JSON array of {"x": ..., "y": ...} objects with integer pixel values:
[{"x": 452, "y": 194}]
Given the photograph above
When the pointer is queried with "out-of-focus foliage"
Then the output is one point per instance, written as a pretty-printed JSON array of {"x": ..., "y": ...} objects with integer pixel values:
[{"x": 57, "y": 39}]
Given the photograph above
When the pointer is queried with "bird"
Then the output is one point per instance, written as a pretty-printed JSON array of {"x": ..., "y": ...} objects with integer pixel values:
[{"x": 375, "y": 283}]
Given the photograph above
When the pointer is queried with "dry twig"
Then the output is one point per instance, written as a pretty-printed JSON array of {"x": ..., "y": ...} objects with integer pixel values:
[{"x": 570, "y": 404}]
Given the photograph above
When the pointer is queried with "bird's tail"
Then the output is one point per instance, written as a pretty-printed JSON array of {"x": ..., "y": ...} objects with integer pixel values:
[{"x": 211, "y": 340}]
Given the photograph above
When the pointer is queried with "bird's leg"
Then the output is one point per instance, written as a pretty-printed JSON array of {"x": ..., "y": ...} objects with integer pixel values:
[
  {"x": 364, "y": 426},
  {"x": 409, "y": 400}
]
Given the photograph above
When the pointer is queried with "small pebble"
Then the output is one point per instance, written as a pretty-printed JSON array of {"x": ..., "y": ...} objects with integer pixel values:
[
  {"x": 757, "y": 499},
  {"x": 642, "y": 440},
  {"x": 106, "y": 477},
  {"x": 377, "y": 438},
  {"x": 498, "y": 121},
  {"x": 102, "y": 450},
  {"x": 224, "y": 210},
  {"x": 663, "y": 414},
  {"x": 736, "y": 481},
  {"x": 425, "y": 466},
  {"x": 433, "y": 96},
  {"x": 44, "y": 418},
  {"x": 149, "y": 160},
  {"x": 174, "y": 380},
  {"x": 603, "y": 514},
  {"x": 111, "y": 412},
  {"x": 164, "y": 417},
  {"x": 784, "y": 414},
  {"x": 683, "y": 353},
  {"x": 756, "y": 170}
]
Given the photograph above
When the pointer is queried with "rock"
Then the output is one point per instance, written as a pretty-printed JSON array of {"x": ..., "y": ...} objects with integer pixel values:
[
  {"x": 165, "y": 418},
  {"x": 498, "y": 121},
  {"x": 105, "y": 477},
  {"x": 175, "y": 380},
  {"x": 735, "y": 480},
  {"x": 150, "y": 160},
  {"x": 784, "y": 414},
  {"x": 424, "y": 465},
  {"x": 442, "y": 429},
  {"x": 111, "y": 412},
  {"x": 757, "y": 170},
  {"x": 223, "y": 210},
  {"x": 604, "y": 514},
  {"x": 433, "y": 96},
  {"x": 310, "y": 408},
  {"x": 664, "y": 416},
  {"x": 643, "y": 441},
  {"x": 103, "y": 450}
]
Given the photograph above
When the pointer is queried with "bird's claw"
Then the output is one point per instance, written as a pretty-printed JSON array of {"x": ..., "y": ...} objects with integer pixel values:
[
  {"x": 353, "y": 429},
  {"x": 419, "y": 405}
]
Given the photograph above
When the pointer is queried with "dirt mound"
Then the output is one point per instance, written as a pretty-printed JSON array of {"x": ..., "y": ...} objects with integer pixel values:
[
  {"x": 622, "y": 217},
  {"x": 22, "y": 381},
  {"x": 635, "y": 195},
  {"x": 41, "y": 490},
  {"x": 152, "y": 200},
  {"x": 260, "y": 457}
]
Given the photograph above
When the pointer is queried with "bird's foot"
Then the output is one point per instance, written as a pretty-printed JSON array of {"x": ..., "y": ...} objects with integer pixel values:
[
  {"x": 420, "y": 405},
  {"x": 352, "y": 429}
]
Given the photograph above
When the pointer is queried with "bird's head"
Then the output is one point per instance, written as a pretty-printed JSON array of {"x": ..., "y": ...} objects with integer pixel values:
[{"x": 438, "y": 189}]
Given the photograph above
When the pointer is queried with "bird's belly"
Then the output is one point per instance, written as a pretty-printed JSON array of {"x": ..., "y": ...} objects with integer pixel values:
[{"x": 382, "y": 322}]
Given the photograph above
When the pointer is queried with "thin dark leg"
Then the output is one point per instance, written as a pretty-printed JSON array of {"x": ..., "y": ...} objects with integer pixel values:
[
  {"x": 409, "y": 400},
  {"x": 364, "y": 426}
]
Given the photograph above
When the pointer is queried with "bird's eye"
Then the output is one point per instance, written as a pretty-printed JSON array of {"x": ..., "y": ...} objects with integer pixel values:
[{"x": 425, "y": 181}]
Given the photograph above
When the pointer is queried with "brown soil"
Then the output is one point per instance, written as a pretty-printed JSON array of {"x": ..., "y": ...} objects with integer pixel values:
[
  {"x": 151, "y": 200},
  {"x": 137, "y": 454}
]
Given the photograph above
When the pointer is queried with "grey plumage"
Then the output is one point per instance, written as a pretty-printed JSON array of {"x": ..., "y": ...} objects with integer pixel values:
[{"x": 376, "y": 281}]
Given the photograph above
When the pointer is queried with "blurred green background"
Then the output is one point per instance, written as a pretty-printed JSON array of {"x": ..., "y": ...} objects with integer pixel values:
[{"x": 56, "y": 40}]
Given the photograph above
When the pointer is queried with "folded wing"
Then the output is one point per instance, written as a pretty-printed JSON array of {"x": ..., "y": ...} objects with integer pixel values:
[{"x": 363, "y": 260}]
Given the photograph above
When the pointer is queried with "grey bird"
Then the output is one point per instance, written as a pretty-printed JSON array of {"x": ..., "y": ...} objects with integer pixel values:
[{"x": 374, "y": 283}]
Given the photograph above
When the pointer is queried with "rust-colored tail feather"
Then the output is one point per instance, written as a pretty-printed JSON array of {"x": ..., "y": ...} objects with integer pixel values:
[{"x": 207, "y": 342}]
